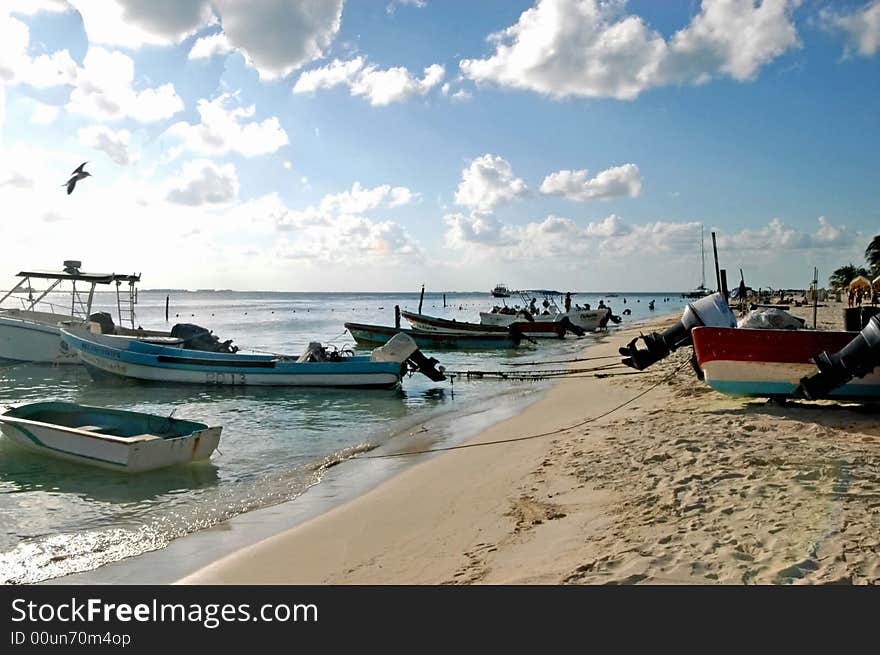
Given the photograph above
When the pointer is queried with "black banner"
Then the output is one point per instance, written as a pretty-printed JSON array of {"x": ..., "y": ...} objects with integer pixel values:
[{"x": 131, "y": 618}]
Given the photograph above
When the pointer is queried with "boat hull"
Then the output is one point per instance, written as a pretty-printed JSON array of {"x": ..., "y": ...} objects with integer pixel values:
[
  {"x": 151, "y": 363},
  {"x": 771, "y": 363},
  {"x": 536, "y": 329},
  {"x": 378, "y": 334},
  {"x": 28, "y": 341}
]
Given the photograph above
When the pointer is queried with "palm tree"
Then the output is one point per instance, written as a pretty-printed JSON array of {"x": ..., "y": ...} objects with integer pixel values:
[
  {"x": 872, "y": 254},
  {"x": 841, "y": 278}
]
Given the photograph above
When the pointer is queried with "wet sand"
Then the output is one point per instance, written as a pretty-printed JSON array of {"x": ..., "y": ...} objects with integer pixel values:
[{"x": 680, "y": 486}]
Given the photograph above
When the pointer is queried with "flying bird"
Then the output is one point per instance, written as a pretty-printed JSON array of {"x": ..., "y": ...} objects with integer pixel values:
[{"x": 77, "y": 175}]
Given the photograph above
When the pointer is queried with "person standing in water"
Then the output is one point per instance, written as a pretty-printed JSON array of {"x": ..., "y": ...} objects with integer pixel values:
[{"x": 568, "y": 301}]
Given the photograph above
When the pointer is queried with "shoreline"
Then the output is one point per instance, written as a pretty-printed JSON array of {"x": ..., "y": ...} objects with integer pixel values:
[
  {"x": 683, "y": 485},
  {"x": 322, "y": 542}
]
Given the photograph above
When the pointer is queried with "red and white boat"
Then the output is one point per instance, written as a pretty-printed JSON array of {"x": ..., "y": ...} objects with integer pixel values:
[{"x": 771, "y": 363}]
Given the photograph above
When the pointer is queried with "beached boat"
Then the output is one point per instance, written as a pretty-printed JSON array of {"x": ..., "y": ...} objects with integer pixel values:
[
  {"x": 32, "y": 332},
  {"x": 372, "y": 335},
  {"x": 384, "y": 368},
  {"x": 533, "y": 329},
  {"x": 113, "y": 439},
  {"x": 771, "y": 363},
  {"x": 501, "y": 291}
]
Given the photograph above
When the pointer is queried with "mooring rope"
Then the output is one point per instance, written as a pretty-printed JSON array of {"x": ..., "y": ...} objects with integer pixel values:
[
  {"x": 551, "y": 433},
  {"x": 564, "y": 361},
  {"x": 529, "y": 375}
]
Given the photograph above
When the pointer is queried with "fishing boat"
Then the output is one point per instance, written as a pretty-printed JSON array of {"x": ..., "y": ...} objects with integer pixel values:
[
  {"x": 372, "y": 335},
  {"x": 501, "y": 291},
  {"x": 32, "y": 331},
  {"x": 131, "y": 442},
  {"x": 532, "y": 329},
  {"x": 771, "y": 363},
  {"x": 586, "y": 319},
  {"x": 108, "y": 355}
]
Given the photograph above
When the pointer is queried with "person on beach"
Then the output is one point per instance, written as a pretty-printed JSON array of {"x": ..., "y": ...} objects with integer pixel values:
[{"x": 568, "y": 301}]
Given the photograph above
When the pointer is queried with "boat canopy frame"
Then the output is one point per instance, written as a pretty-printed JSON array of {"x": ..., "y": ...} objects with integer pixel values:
[{"x": 81, "y": 299}]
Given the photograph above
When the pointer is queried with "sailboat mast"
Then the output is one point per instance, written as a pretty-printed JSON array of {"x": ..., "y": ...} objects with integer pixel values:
[{"x": 703, "y": 257}]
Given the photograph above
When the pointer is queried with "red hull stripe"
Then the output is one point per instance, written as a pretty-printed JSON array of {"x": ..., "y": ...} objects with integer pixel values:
[{"x": 783, "y": 346}]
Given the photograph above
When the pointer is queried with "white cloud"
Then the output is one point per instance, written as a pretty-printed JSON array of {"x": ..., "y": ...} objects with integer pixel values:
[
  {"x": 589, "y": 48},
  {"x": 326, "y": 77},
  {"x": 44, "y": 114},
  {"x": 278, "y": 36},
  {"x": 209, "y": 46},
  {"x": 613, "y": 182},
  {"x": 31, "y": 7},
  {"x": 461, "y": 95},
  {"x": 202, "y": 182},
  {"x": 274, "y": 36},
  {"x": 380, "y": 86},
  {"x": 136, "y": 23},
  {"x": 104, "y": 90},
  {"x": 392, "y": 6},
  {"x": 334, "y": 231},
  {"x": 861, "y": 28},
  {"x": 359, "y": 199},
  {"x": 288, "y": 165},
  {"x": 610, "y": 226},
  {"x": 487, "y": 182},
  {"x": 223, "y": 129},
  {"x": 779, "y": 236},
  {"x": 113, "y": 143},
  {"x": 18, "y": 67}
]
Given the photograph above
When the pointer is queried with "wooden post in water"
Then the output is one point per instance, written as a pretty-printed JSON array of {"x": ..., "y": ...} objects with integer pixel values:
[
  {"x": 421, "y": 298},
  {"x": 717, "y": 272},
  {"x": 815, "y": 294},
  {"x": 166, "y": 308},
  {"x": 397, "y": 316},
  {"x": 724, "y": 284},
  {"x": 444, "y": 301}
]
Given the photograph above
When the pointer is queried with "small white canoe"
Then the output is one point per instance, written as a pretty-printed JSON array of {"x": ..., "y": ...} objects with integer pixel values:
[{"x": 113, "y": 439}]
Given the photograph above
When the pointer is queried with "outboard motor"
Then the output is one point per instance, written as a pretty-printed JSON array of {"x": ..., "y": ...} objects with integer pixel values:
[
  {"x": 855, "y": 360},
  {"x": 711, "y": 311},
  {"x": 195, "y": 337},
  {"x": 402, "y": 348},
  {"x": 568, "y": 326}
]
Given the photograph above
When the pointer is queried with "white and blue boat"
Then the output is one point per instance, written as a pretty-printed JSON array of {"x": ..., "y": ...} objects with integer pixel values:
[
  {"x": 372, "y": 335},
  {"x": 130, "y": 442},
  {"x": 135, "y": 359}
]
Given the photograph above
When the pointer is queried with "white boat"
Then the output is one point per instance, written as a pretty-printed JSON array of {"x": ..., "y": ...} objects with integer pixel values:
[
  {"x": 113, "y": 439},
  {"x": 123, "y": 357},
  {"x": 585, "y": 319},
  {"x": 32, "y": 332}
]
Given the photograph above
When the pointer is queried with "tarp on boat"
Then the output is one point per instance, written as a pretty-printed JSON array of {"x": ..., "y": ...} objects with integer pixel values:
[{"x": 770, "y": 318}]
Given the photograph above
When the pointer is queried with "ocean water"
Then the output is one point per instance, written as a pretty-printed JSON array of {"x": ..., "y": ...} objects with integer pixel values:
[{"x": 58, "y": 518}]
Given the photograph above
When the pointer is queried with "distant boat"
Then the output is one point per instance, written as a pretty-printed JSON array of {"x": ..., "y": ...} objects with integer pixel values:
[
  {"x": 771, "y": 363},
  {"x": 379, "y": 334},
  {"x": 113, "y": 439},
  {"x": 501, "y": 291},
  {"x": 585, "y": 319},
  {"x": 384, "y": 368}
]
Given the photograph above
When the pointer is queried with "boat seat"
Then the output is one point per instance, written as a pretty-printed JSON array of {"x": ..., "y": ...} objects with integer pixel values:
[{"x": 140, "y": 437}]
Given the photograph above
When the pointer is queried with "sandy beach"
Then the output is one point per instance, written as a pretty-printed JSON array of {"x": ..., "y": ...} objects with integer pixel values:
[{"x": 681, "y": 486}]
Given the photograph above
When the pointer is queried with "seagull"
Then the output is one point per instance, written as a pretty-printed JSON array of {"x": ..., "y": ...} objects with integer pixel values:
[{"x": 77, "y": 175}]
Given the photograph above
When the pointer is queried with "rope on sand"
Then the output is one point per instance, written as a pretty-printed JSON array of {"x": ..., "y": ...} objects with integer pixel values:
[
  {"x": 530, "y": 375},
  {"x": 536, "y": 436}
]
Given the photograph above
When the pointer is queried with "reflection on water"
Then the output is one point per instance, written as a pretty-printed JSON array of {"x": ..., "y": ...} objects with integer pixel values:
[{"x": 58, "y": 517}]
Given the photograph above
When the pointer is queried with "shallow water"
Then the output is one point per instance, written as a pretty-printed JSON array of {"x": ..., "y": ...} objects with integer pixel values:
[{"x": 58, "y": 517}]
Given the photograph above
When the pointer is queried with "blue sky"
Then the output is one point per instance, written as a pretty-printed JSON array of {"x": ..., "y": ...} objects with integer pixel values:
[{"x": 378, "y": 145}]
